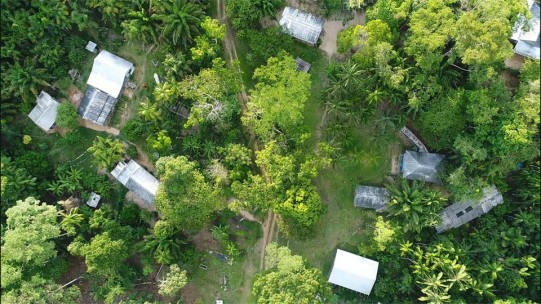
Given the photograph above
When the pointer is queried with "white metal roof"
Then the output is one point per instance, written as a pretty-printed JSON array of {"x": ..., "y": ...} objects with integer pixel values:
[
  {"x": 44, "y": 113},
  {"x": 137, "y": 179},
  {"x": 354, "y": 272},
  {"x": 109, "y": 72},
  {"x": 93, "y": 200},
  {"x": 91, "y": 46},
  {"x": 528, "y": 42},
  {"x": 301, "y": 25}
]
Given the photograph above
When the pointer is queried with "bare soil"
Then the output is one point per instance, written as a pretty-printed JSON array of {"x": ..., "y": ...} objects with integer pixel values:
[
  {"x": 75, "y": 95},
  {"x": 203, "y": 241},
  {"x": 332, "y": 28},
  {"x": 87, "y": 124},
  {"x": 515, "y": 62},
  {"x": 511, "y": 81}
]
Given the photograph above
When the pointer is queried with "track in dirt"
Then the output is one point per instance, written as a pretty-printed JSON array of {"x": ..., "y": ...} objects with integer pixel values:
[{"x": 229, "y": 41}]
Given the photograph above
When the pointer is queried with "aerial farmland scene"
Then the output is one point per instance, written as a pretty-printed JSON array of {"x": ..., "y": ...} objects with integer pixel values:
[{"x": 270, "y": 151}]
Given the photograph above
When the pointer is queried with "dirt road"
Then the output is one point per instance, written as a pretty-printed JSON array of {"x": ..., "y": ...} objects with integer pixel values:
[{"x": 229, "y": 41}]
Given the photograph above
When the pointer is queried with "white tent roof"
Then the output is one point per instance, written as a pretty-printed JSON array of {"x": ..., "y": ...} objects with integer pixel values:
[
  {"x": 109, "y": 72},
  {"x": 354, "y": 272},
  {"x": 44, "y": 113}
]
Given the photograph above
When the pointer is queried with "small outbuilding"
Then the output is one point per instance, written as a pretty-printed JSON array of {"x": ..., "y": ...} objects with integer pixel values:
[
  {"x": 93, "y": 200},
  {"x": 371, "y": 197},
  {"x": 526, "y": 35},
  {"x": 137, "y": 179},
  {"x": 354, "y": 272},
  {"x": 421, "y": 166},
  {"x": 301, "y": 25},
  {"x": 302, "y": 66},
  {"x": 91, "y": 46},
  {"x": 462, "y": 212},
  {"x": 44, "y": 113}
]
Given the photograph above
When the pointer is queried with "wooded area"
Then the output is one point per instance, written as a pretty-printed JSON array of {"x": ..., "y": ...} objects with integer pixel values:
[{"x": 221, "y": 170}]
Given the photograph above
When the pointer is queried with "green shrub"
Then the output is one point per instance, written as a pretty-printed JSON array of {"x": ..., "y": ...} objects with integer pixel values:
[
  {"x": 134, "y": 130},
  {"x": 66, "y": 116}
]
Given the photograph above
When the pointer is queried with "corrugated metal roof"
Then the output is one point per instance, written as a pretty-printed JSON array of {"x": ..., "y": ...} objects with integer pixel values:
[
  {"x": 93, "y": 200},
  {"x": 458, "y": 214},
  {"x": 109, "y": 73},
  {"x": 96, "y": 106},
  {"x": 301, "y": 25},
  {"x": 371, "y": 197},
  {"x": 137, "y": 179},
  {"x": 354, "y": 272},
  {"x": 421, "y": 166},
  {"x": 44, "y": 113}
]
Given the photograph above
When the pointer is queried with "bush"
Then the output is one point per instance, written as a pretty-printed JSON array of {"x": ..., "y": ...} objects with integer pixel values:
[
  {"x": 67, "y": 116},
  {"x": 134, "y": 130},
  {"x": 76, "y": 51},
  {"x": 267, "y": 43},
  {"x": 73, "y": 138},
  {"x": 132, "y": 152}
]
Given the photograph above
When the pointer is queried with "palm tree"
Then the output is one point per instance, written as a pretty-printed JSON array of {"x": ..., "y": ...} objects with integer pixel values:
[
  {"x": 149, "y": 111},
  {"x": 345, "y": 80},
  {"x": 106, "y": 151},
  {"x": 56, "y": 187},
  {"x": 140, "y": 26},
  {"x": 418, "y": 206},
  {"x": 71, "y": 221},
  {"x": 165, "y": 250},
  {"x": 266, "y": 7},
  {"x": 24, "y": 80},
  {"x": 180, "y": 20}
]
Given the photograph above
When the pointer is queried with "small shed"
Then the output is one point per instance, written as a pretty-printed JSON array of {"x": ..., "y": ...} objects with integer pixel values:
[
  {"x": 91, "y": 47},
  {"x": 302, "y": 66},
  {"x": 301, "y": 25},
  {"x": 354, "y": 272},
  {"x": 109, "y": 72},
  {"x": 421, "y": 166},
  {"x": 93, "y": 200},
  {"x": 371, "y": 197},
  {"x": 44, "y": 113},
  {"x": 462, "y": 212},
  {"x": 526, "y": 35},
  {"x": 137, "y": 179}
]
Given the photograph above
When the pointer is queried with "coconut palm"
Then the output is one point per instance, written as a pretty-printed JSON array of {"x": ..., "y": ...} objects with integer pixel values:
[
  {"x": 106, "y": 151},
  {"x": 24, "y": 80},
  {"x": 180, "y": 20}
]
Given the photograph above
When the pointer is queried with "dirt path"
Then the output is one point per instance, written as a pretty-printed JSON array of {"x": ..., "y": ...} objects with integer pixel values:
[
  {"x": 331, "y": 28},
  {"x": 229, "y": 41},
  {"x": 87, "y": 124}
]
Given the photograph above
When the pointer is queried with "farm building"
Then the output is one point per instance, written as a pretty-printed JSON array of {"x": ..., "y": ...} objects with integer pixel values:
[
  {"x": 462, "y": 212},
  {"x": 421, "y": 166},
  {"x": 413, "y": 139},
  {"x": 137, "y": 179},
  {"x": 44, "y": 113},
  {"x": 527, "y": 36},
  {"x": 105, "y": 84},
  {"x": 371, "y": 197},
  {"x": 301, "y": 25},
  {"x": 354, "y": 272},
  {"x": 301, "y": 65}
]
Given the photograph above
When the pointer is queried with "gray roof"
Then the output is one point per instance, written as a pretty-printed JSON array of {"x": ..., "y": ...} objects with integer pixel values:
[
  {"x": 109, "y": 73},
  {"x": 44, "y": 113},
  {"x": 528, "y": 42},
  {"x": 301, "y": 25},
  {"x": 302, "y": 66},
  {"x": 413, "y": 139},
  {"x": 462, "y": 212},
  {"x": 371, "y": 197},
  {"x": 421, "y": 166},
  {"x": 96, "y": 106},
  {"x": 137, "y": 179},
  {"x": 93, "y": 200}
]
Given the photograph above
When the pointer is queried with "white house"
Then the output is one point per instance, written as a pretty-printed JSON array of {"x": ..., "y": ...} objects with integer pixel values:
[
  {"x": 44, "y": 113},
  {"x": 526, "y": 36},
  {"x": 354, "y": 272},
  {"x": 109, "y": 73}
]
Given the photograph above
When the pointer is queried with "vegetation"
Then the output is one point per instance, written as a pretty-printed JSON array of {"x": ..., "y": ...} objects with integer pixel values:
[{"x": 235, "y": 151}]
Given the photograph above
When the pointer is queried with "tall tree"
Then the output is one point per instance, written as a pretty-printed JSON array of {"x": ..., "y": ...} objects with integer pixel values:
[
  {"x": 106, "y": 151},
  {"x": 277, "y": 101},
  {"x": 288, "y": 280},
  {"x": 184, "y": 197},
  {"x": 180, "y": 20}
]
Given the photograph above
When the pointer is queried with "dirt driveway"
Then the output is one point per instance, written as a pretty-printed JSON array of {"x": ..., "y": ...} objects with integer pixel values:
[{"x": 331, "y": 28}]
